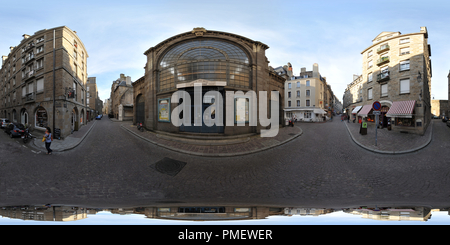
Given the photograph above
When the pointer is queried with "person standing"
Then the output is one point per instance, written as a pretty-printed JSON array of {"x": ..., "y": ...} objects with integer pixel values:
[{"x": 48, "y": 140}]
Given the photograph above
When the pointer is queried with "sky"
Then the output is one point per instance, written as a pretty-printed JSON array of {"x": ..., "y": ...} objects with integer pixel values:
[{"x": 303, "y": 32}]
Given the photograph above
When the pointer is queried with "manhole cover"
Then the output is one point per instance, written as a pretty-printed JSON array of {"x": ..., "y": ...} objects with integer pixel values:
[{"x": 168, "y": 166}]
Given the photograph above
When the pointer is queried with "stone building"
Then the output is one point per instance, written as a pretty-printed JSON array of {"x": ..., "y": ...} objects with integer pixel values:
[
  {"x": 448, "y": 100},
  {"x": 439, "y": 108},
  {"x": 122, "y": 98},
  {"x": 29, "y": 73},
  {"x": 397, "y": 73},
  {"x": 93, "y": 101},
  {"x": 307, "y": 96},
  {"x": 223, "y": 64}
]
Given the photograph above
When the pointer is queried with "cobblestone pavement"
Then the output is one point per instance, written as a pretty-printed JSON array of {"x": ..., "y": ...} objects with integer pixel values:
[
  {"x": 323, "y": 167},
  {"x": 225, "y": 147},
  {"x": 388, "y": 141}
]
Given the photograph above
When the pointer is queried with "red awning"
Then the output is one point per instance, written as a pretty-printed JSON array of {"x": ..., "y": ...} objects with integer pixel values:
[
  {"x": 401, "y": 109},
  {"x": 365, "y": 110}
]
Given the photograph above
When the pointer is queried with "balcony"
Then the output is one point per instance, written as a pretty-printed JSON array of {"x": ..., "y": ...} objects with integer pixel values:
[
  {"x": 29, "y": 74},
  {"x": 30, "y": 97},
  {"x": 383, "y": 48},
  {"x": 382, "y": 77},
  {"x": 383, "y": 60},
  {"x": 29, "y": 58}
]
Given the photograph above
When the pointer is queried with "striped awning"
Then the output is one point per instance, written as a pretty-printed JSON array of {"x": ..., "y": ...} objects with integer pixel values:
[
  {"x": 356, "y": 109},
  {"x": 365, "y": 110},
  {"x": 402, "y": 109}
]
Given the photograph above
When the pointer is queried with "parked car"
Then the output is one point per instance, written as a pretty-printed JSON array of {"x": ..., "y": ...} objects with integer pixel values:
[
  {"x": 98, "y": 117},
  {"x": 448, "y": 123},
  {"x": 15, "y": 130},
  {"x": 444, "y": 119},
  {"x": 4, "y": 122}
]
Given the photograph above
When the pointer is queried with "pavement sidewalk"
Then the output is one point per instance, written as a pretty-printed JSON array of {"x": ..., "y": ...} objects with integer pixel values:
[
  {"x": 216, "y": 148},
  {"x": 388, "y": 141},
  {"x": 68, "y": 143}
]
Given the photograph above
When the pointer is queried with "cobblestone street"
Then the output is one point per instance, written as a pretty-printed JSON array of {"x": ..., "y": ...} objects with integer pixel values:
[{"x": 321, "y": 167}]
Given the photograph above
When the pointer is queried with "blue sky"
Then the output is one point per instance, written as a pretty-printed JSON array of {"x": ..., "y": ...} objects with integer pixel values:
[{"x": 330, "y": 33}]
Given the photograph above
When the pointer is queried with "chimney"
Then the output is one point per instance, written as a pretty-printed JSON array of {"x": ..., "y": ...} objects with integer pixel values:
[
  {"x": 128, "y": 80},
  {"x": 315, "y": 70},
  {"x": 4, "y": 57}
]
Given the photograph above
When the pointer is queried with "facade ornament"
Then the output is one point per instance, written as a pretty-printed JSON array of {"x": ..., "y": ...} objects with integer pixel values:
[{"x": 199, "y": 31}]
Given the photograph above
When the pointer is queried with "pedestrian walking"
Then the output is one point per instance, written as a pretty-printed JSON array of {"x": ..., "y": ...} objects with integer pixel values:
[{"x": 48, "y": 140}]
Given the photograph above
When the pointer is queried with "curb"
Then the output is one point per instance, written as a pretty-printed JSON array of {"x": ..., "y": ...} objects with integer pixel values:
[
  {"x": 213, "y": 154},
  {"x": 393, "y": 152},
  {"x": 73, "y": 146}
]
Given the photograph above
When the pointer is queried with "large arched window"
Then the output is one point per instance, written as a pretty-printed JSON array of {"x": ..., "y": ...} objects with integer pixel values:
[{"x": 208, "y": 59}]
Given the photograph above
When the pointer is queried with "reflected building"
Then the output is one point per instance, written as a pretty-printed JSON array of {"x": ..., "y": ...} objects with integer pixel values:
[
  {"x": 26, "y": 81},
  {"x": 307, "y": 211},
  {"x": 42, "y": 213},
  {"x": 212, "y": 213},
  {"x": 393, "y": 213}
]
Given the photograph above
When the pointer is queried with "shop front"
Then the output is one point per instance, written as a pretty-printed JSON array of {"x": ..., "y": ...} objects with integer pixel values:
[
  {"x": 402, "y": 115},
  {"x": 354, "y": 114}
]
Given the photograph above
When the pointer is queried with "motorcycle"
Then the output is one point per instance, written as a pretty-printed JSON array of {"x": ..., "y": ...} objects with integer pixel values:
[
  {"x": 140, "y": 127},
  {"x": 27, "y": 135}
]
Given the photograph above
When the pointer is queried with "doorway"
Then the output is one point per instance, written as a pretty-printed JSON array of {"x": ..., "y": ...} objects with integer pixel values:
[{"x": 200, "y": 109}]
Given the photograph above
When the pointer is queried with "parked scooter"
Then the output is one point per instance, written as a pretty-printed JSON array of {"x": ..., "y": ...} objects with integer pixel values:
[
  {"x": 140, "y": 127},
  {"x": 27, "y": 135}
]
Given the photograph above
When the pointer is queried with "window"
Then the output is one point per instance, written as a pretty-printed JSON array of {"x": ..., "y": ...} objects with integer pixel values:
[
  {"x": 40, "y": 84},
  {"x": 307, "y": 103},
  {"x": 289, "y": 94},
  {"x": 289, "y": 103},
  {"x": 369, "y": 64},
  {"x": 384, "y": 90},
  {"x": 369, "y": 77},
  {"x": 307, "y": 83},
  {"x": 31, "y": 87},
  {"x": 308, "y": 92},
  {"x": 298, "y": 93},
  {"x": 24, "y": 91},
  {"x": 39, "y": 49},
  {"x": 289, "y": 85},
  {"x": 40, "y": 63},
  {"x": 404, "y": 86},
  {"x": 404, "y": 40},
  {"x": 75, "y": 90},
  {"x": 298, "y": 102},
  {"x": 369, "y": 53},
  {"x": 369, "y": 94},
  {"x": 404, "y": 65},
  {"x": 404, "y": 51},
  {"x": 298, "y": 84}
]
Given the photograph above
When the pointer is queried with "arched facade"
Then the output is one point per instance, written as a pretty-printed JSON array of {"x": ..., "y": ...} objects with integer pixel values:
[{"x": 222, "y": 63}]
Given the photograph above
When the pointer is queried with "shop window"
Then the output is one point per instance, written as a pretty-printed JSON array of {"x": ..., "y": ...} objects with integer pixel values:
[
  {"x": 41, "y": 118},
  {"x": 405, "y": 122}
]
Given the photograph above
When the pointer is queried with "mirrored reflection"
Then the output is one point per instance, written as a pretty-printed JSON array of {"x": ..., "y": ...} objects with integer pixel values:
[{"x": 52, "y": 213}]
